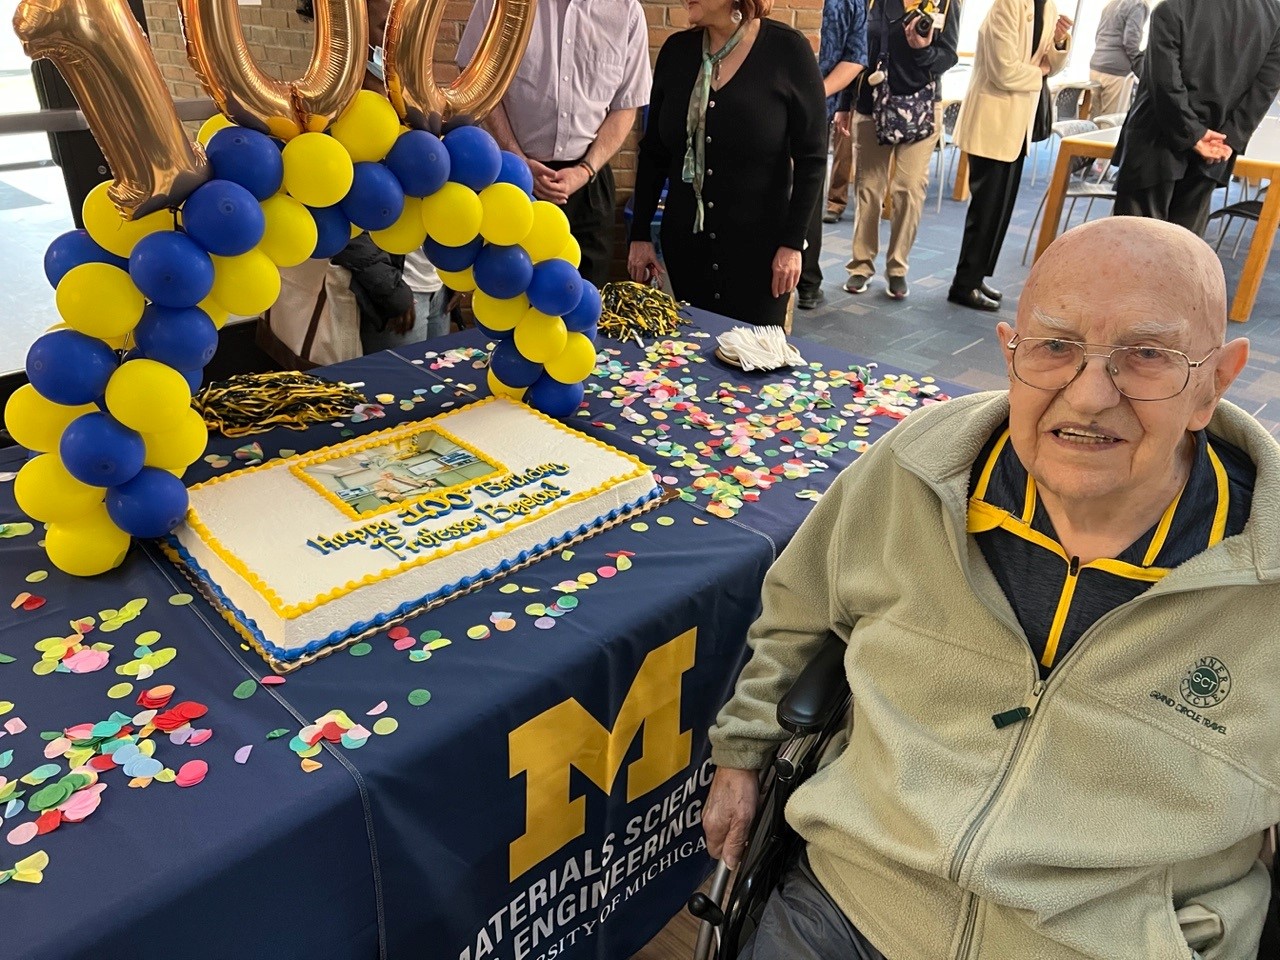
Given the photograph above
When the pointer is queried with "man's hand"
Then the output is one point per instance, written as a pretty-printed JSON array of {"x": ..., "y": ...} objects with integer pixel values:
[
  {"x": 544, "y": 179},
  {"x": 565, "y": 183},
  {"x": 403, "y": 323},
  {"x": 842, "y": 122},
  {"x": 1213, "y": 147},
  {"x": 642, "y": 262},
  {"x": 731, "y": 806},
  {"x": 1045, "y": 67},
  {"x": 786, "y": 270},
  {"x": 914, "y": 40}
]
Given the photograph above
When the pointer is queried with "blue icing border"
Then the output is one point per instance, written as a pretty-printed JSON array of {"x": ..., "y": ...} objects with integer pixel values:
[{"x": 405, "y": 608}]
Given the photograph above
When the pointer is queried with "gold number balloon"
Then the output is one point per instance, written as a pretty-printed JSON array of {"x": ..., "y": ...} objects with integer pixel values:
[
  {"x": 412, "y": 27},
  {"x": 101, "y": 52},
  {"x": 218, "y": 51}
]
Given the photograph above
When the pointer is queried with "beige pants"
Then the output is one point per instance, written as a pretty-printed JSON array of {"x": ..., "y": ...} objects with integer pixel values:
[
  {"x": 841, "y": 166},
  {"x": 872, "y": 161},
  {"x": 1115, "y": 93}
]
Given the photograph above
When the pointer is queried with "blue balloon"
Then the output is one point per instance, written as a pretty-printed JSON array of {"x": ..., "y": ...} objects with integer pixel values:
[
  {"x": 502, "y": 272},
  {"x": 510, "y": 367},
  {"x": 452, "y": 258},
  {"x": 587, "y": 313},
  {"x": 224, "y": 218},
  {"x": 590, "y": 332},
  {"x": 66, "y": 366},
  {"x": 515, "y": 170},
  {"x": 184, "y": 338},
  {"x": 554, "y": 398},
  {"x": 194, "y": 378},
  {"x": 171, "y": 269},
  {"x": 149, "y": 505},
  {"x": 101, "y": 451},
  {"x": 495, "y": 334},
  {"x": 375, "y": 200},
  {"x": 333, "y": 231},
  {"x": 556, "y": 287},
  {"x": 474, "y": 157},
  {"x": 420, "y": 162},
  {"x": 73, "y": 249},
  {"x": 248, "y": 158}
]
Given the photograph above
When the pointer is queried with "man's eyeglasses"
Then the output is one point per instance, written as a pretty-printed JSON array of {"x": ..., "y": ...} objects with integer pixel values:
[{"x": 1139, "y": 373}]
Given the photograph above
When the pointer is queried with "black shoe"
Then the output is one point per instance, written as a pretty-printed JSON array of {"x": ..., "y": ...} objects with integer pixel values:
[
  {"x": 811, "y": 301},
  {"x": 971, "y": 297},
  {"x": 857, "y": 284},
  {"x": 831, "y": 216},
  {"x": 897, "y": 289},
  {"x": 992, "y": 292}
]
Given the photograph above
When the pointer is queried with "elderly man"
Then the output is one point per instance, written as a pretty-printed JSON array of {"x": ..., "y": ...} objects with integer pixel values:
[
  {"x": 1058, "y": 602},
  {"x": 574, "y": 99}
]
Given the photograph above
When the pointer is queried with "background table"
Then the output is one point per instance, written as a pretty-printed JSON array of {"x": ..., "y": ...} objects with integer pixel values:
[
  {"x": 1262, "y": 162},
  {"x": 402, "y": 848}
]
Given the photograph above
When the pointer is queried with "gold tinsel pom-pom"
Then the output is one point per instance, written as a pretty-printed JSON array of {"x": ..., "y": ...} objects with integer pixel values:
[
  {"x": 633, "y": 310},
  {"x": 256, "y": 402}
]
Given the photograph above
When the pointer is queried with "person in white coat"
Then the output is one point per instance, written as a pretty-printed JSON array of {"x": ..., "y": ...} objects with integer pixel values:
[{"x": 1020, "y": 43}]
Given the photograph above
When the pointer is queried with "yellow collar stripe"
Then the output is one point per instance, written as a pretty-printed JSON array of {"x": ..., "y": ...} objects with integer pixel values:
[{"x": 1224, "y": 499}]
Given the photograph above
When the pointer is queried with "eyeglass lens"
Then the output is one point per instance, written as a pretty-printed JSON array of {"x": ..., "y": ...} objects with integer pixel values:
[{"x": 1140, "y": 373}]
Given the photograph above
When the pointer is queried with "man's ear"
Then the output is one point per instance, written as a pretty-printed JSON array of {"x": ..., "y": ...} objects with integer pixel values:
[
  {"x": 1005, "y": 333},
  {"x": 1229, "y": 361}
]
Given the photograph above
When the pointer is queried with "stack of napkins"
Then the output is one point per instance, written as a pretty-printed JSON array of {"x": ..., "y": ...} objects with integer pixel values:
[{"x": 758, "y": 348}]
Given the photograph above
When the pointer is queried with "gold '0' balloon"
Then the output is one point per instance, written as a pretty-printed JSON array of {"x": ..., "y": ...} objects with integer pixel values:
[
  {"x": 218, "y": 51},
  {"x": 101, "y": 52},
  {"x": 412, "y": 28}
]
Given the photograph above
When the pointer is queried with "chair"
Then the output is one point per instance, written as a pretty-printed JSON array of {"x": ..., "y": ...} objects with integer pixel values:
[
  {"x": 814, "y": 711},
  {"x": 946, "y": 141},
  {"x": 1108, "y": 120},
  {"x": 1242, "y": 210},
  {"x": 1078, "y": 187}
]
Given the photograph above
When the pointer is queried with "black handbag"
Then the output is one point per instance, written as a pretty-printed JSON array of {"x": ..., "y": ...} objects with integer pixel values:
[{"x": 1043, "y": 125}]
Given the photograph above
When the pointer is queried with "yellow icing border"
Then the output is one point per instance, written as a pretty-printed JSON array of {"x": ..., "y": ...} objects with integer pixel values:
[
  {"x": 292, "y": 611},
  {"x": 366, "y": 443}
]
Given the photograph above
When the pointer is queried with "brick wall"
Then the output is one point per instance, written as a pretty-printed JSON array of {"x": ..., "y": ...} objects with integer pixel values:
[{"x": 281, "y": 41}]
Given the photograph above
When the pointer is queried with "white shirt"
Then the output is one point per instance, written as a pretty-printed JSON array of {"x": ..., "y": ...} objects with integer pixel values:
[
  {"x": 584, "y": 59},
  {"x": 420, "y": 273}
]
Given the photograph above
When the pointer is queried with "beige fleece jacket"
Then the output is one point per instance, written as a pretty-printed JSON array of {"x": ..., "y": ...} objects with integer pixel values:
[{"x": 1120, "y": 820}]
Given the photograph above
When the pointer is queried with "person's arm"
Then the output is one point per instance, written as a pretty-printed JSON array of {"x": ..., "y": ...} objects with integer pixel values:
[
  {"x": 807, "y": 133},
  {"x": 1244, "y": 118},
  {"x": 1132, "y": 38},
  {"x": 1177, "y": 121},
  {"x": 998, "y": 42},
  {"x": 940, "y": 55},
  {"x": 844, "y": 46},
  {"x": 841, "y": 75},
  {"x": 609, "y": 139}
]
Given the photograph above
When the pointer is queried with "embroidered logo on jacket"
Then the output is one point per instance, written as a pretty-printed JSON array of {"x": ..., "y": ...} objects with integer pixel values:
[{"x": 1206, "y": 684}]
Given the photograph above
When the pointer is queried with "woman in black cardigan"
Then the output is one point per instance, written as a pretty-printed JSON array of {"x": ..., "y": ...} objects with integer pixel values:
[{"x": 737, "y": 129}]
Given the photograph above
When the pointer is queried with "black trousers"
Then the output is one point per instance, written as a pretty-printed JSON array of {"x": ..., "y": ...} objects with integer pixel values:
[
  {"x": 810, "y": 284},
  {"x": 1184, "y": 202},
  {"x": 592, "y": 221},
  {"x": 994, "y": 188}
]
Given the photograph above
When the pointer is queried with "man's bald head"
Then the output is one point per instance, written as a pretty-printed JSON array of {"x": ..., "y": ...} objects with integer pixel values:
[{"x": 1136, "y": 259}]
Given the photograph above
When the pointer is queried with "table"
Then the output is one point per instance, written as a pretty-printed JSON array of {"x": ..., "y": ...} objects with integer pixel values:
[
  {"x": 545, "y": 798},
  {"x": 1261, "y": 162}
]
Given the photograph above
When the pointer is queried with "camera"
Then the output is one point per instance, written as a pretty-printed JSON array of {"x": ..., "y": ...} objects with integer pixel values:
[{"x": 920, "y": 21}]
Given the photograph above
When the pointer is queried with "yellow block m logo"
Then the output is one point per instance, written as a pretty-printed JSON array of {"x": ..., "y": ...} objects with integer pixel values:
[{"x": 567, "y": 736}]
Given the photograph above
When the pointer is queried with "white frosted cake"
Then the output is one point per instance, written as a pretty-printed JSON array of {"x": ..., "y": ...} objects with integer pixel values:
[{"x": 306, "y": 554}]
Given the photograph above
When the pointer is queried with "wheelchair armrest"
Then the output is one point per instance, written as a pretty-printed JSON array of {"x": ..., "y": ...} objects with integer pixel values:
[{"x": 818, "y": 693}]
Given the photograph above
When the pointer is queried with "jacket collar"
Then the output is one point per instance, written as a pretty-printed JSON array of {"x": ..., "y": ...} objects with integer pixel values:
[{"x": 968, "y": 422}]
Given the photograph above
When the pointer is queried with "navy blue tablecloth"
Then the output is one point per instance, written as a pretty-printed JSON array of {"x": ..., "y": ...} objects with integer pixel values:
[{"x": 543, "y": 801}]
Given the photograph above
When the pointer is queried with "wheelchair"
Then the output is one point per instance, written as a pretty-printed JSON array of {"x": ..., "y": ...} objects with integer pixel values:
[{"x": 813, "y": 712}]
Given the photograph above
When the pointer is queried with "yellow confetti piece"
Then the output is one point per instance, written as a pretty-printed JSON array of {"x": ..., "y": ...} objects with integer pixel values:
[
  {"x": 36, "y": 576},
  {"x": 311, "y": 766},
  {"x": 5, "y": 706},
  {"x": 640, "y": 526},
  {"x": 120, "y": 691},
  {"x": 665, "y": 521},
  {"x": 623, "y": 563},
  {"x": 147, "y": 638},
  {"x": 166, "y": 776},
  {"x": 44, "y": 668},
  {"x": 509, "y": 588},
  {"x": 588, "y": 578},
  {"x": 386, "y": 726},
  {"x": 311, "y": 751},
  {"x": 180, "y": 599},
  {"x": 478, "y": 632}
]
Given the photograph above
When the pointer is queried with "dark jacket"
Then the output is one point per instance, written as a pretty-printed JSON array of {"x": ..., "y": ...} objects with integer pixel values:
[
  {"x": 1209, "y": 66},
  {"x": 377, "y": 280},
  {"x": 909, "y": 69}
]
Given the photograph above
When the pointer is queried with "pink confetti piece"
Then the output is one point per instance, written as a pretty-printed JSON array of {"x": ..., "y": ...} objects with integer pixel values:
[
  {"x": 191, "y": 773},
  {"x": 272, "y": 681},
  {"x": 14, "y": 725},
  {"x": 22, "y": 834},
  {"x": 379, "y": 709},
  {"x": 242, "y": 755},
  {"x": 198, "y": 737},
  {"x": 86, "y": 661},
  {"x": 607, "y": 572},
  {"x": 359, "y": 732},
  {"x": 82, "y": 803},
  {"x": 56, "y": 748},
  {"x": 404, "y": 643}
]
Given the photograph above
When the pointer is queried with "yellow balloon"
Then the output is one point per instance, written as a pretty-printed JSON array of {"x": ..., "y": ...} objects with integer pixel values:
[
  {"x": 572, "y": 252},
  {"x": 452, "y": 215},
  {"x": 100, "y": 300},
  {"x": 549, "y": 232},
  {"x": 291, "y": 234},
  {"x": 407, "y": 233},
  {"x": 368, "y": 127},
  {"x": 88, "y": 545},
  {"x": 498, "y": 314},
  {"x": 211, "y": 126},
  {"x": 575, "y": 362},
  {"x": 47, "y": 492},
  {"x": 216, "y": 311},
  {"x": 37, "y": 423},
  {"x": 507, "y": 214},
  {"x": 538, "y": 337},
  {"x": 177, "y": 448},
  {"x": 248, "y": 284},
  {"x": 356, "y": 231},
  {"x": 111, "y": 231},
  {"x": 317, "y": 170},
  {"x": 500, "y": 389},
  {"x": 148, "y": 396},
  {"x": 462, "y": 281}
]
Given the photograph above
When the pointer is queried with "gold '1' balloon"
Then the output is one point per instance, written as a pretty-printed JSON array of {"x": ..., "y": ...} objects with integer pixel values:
[
  {"x": 412, "y": 28},
  {"x": 218, "y": 51},
  {"x": 101, "y": 52}
]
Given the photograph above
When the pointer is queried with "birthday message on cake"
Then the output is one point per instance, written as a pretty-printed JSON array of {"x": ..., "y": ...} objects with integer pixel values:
[{"x": 400, "y": 538}]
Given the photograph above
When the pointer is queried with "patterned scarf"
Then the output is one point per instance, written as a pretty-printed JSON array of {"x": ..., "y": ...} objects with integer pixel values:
[{"x": 695, "y": 160}]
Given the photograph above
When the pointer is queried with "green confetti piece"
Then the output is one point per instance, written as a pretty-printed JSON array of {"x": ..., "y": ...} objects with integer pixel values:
[
  {"x": 568, "y": 602},
  {"x": 120, "y": 691},
  {"x": 41, "y": 773},
  {"x": 361, "y": 650},
  {"x": 428, "y": 635},
  {"x": 665, "y": 521},
  {"x": 418, "y": 656},
  {"x": 6, "y": 758},
  {"x": 5, "y": 658},
  {"x": 245, "y": 689},
  {"x": 180, "y": 600},
  {"x": 386, "y": 726},
  {"x": 418, "y": 698},
  {"x": 37, "y": 576},
  {"x": 277, "y": 734},
  {"x": 50, "y": 796}
]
